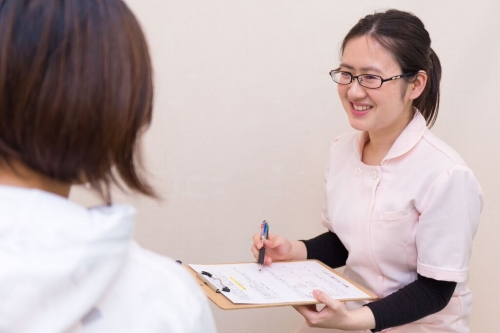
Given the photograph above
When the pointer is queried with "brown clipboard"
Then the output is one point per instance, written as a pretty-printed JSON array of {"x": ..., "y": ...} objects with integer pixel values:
[{"x": 225, "y": 304}]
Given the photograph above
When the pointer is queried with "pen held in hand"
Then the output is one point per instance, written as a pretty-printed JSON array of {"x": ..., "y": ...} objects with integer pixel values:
[
  {"x": 262, "y": 254},
  {"x": 264, "y": 233}
]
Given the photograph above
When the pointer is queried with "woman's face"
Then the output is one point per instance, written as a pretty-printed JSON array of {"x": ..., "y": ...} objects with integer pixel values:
[{"x": 383, "y": 111}]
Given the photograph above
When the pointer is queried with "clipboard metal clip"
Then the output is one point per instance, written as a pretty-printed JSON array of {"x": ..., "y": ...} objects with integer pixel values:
[{"x": 208, "y": 277}]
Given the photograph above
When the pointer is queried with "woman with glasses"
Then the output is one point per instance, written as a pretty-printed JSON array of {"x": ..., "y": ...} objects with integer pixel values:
[
  {"x": 402, "y": 207},
  {"x": 76, "y": 94}
]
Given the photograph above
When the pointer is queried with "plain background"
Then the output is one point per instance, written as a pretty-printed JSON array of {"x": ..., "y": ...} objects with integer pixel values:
[{"x": 245, "y": 112}]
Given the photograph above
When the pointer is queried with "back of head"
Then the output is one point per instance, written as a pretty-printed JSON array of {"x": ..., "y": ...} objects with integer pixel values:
[
  {"x": 75, "y": 90},
  {"x": 404, "y": 36}
]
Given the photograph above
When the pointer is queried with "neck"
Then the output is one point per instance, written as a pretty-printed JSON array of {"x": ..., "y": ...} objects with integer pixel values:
[
  {"x": 382, "y": 142},
  {"x": 379, "y": 143},
  {"x": 17, "y": 174}
]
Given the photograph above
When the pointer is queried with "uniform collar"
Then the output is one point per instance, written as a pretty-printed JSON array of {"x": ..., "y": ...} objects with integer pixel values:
[{"x": 405, "y": 141}]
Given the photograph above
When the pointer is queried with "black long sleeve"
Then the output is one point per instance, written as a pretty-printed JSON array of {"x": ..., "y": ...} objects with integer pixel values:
[
  {"x": 328, "y": 249},
  {"x": 417, "y": 300}
]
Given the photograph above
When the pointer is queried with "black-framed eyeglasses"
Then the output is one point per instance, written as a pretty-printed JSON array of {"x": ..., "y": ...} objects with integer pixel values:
[{"x": 370, "y": 81}]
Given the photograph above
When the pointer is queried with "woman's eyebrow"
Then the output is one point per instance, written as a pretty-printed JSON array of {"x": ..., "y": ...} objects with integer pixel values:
[
  {"x": 346, "y": 66},
  {"x": 362, "y": 69}
]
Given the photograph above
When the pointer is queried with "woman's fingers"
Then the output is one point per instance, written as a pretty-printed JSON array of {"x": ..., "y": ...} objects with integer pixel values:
[
  {"x": 309, "y": 312},
  {"x": 332, "y": 314},
  {"x": 257, "y": 242},
  {"x": 277, "y": 248}
]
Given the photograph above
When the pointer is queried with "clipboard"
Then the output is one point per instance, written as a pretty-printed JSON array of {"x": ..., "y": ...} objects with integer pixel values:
[{"x": 225, "y": 304}]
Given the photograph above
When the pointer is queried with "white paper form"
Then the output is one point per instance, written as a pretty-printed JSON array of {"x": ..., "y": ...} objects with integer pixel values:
[{"x": 287, "y": 282}]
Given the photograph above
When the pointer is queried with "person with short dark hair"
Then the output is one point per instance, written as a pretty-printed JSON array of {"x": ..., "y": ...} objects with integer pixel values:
[
  {"x": 76, "y": 95},
  {"x": 402, "y": 207}
]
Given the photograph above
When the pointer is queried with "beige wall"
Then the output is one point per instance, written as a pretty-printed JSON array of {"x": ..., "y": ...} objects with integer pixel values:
[{"x": 245, "y": 112}]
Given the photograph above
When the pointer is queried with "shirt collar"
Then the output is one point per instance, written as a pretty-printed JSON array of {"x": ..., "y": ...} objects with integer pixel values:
[{"x": 405, "y": 141}]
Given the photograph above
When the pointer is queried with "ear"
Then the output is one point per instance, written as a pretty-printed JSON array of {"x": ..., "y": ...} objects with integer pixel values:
[{"x": 418, "y": 85}]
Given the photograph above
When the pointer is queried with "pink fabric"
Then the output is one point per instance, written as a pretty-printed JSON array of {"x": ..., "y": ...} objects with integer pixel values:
[{"x": 416, "y": 212}]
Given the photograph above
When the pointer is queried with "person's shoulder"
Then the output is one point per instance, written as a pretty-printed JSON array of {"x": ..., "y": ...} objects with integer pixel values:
[
  {"x": 449, "y": 155},
  {"x": 346, "y": 137},
  {"x": 163, "y": 271},
  {"x": 163, "y": 293},
  {"x": 449, "y": 166},
  {"x": 344, "y": 140}
]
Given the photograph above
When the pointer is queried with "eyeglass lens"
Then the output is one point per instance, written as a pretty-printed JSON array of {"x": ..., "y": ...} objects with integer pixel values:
[{"x": 366, "y": 80}]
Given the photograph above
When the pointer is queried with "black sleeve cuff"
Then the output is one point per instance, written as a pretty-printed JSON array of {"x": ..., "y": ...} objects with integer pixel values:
[
  {"x": 417, "y": 300},
  {"x": 327, "y": 248}
]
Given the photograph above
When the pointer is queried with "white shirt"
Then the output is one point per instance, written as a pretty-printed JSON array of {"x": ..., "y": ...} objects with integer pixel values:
[{"x": 65, "y": 268}]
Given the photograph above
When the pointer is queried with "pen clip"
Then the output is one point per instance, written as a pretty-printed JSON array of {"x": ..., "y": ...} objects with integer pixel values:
[{"x": 264, "y": 230}]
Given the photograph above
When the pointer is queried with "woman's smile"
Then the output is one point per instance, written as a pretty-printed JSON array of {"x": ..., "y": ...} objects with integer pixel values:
[{"x": 360, "y": 110}]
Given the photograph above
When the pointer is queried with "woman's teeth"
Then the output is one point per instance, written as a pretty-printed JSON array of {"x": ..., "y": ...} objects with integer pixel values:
[{"x": 362, "y": 107}]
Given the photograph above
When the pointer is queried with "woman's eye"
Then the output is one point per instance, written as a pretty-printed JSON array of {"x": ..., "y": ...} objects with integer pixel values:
[
  {"x": 345, "y": 75},
  {"x": 370, "y": 77}
]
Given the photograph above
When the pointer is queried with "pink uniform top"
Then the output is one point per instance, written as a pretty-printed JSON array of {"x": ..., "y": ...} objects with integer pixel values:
[{"x": 417, "y": 212}]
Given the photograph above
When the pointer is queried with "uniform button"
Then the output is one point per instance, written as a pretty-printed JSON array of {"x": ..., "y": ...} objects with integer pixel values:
[
  {"x": 374, "y": 174},
  {"x": 358, "y": 171}
]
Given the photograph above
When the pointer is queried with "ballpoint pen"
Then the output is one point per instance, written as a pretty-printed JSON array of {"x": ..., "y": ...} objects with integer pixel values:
[{"x": 264, "y": 233}]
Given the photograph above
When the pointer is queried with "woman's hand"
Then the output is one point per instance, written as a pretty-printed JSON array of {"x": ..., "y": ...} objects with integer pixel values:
[
  {"x": 335, "y": 315},
  {"x": 278, "y": 248}
]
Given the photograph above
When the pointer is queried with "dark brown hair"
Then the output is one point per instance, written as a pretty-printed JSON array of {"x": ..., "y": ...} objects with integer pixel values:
[
  {"x": 404, "y": 36},
  {"x": 75, "y": 91}
]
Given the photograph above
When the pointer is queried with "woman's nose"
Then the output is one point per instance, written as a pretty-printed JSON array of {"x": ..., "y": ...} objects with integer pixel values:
[{"x": 356, "y": 90}]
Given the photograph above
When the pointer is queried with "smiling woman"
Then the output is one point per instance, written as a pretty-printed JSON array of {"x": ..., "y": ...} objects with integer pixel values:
[
  {"x": 383, "y": 110},
  {"x": 402, "y": 207}
]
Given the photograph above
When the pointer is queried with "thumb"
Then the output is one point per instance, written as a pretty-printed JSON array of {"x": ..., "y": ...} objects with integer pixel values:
[{"x": 325, "y": 299}]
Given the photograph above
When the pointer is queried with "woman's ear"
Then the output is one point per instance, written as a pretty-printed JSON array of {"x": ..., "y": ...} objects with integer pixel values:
[{"x": 418, "y": 85}]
